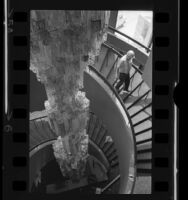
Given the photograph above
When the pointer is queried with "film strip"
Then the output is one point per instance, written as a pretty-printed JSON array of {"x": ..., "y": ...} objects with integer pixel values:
[{"x": 16, "y": 103}]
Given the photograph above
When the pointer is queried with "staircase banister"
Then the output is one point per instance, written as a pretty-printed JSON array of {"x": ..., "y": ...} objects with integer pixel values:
[
  {"x": 124, "y": 108},
  {"x": 114, "y": 92},
  {"x": 123, "y": 34}
]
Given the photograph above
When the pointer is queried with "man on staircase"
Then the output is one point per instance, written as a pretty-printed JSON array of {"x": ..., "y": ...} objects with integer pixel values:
[{"x": 122, "y": 71}]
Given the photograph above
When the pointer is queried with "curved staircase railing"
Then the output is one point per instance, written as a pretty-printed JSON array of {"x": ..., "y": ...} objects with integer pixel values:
[
  {"x": 119, "y": 99},
  {"x": 95, "y": 135},
  {"x": 143, "y": 100},
  {"x": 44, "y": 136},
  {"x": 42, "y": 153},
  {"x": 92, "y": 71},
  {"x": 130, "y": 38}
]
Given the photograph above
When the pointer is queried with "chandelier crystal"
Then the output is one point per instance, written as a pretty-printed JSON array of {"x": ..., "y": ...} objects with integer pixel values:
[{"x": 59, "y": 42}]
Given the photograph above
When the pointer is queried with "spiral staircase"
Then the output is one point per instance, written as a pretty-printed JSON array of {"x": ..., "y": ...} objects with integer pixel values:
[
  {"x": 41, "y": 133},
  {"x": 137, "y": 102},
  {"x": 137, "y": 107}
]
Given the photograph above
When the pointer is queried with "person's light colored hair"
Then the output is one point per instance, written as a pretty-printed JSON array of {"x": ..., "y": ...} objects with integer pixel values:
[{"x": 130, "y": 54}]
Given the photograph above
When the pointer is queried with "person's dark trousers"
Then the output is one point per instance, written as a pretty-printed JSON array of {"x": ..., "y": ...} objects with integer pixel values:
[{"x": 123, "y": 79}]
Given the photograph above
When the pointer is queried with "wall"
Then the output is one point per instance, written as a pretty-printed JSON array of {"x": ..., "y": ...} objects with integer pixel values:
[
  {"x": 147, "y": 73},
  {"x": 108, "y": 112}
]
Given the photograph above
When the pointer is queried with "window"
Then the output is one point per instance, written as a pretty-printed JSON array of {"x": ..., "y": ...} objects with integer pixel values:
[{"x": 137, "y": 25}]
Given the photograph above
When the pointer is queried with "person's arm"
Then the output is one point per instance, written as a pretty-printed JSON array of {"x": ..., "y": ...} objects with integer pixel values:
[
  {"x": 117, "y": 70},
  {"x": 130, "y": 65}
]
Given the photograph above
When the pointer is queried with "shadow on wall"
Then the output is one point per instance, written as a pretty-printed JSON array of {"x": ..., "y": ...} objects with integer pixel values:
[{"x": 37, "y": 94}]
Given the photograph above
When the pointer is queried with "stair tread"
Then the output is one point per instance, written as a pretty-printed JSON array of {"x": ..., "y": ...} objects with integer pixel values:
[
  {"x": 100, "y": 135},
  {"x": 92, "y": 125},
  {"x": 101, "y": 57},
  {"x": 142, "y": 156},
  {"x": 103, "y": 140},
  {"x": 144, "y": 146},
  {"x": 96, "y": 131},
  {"x": 48, "y": 129},
  {"x": 112, "y": 157},
  {"x": 114, "y": 162},
  {"x": 144, "y": 165},
  {"x": 144, "y": 172},
  {"x": 107, "y": 145},
  {"x": 110, "y": 151}
]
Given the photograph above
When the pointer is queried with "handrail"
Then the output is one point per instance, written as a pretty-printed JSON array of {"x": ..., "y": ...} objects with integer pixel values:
[
  {"x": 53, "y": 139},
  {"x": 120, "y": 55},
  {"x": 123, "y": 106},
  {"x": 38, "y": 118},
  {"x": 41, "y": 143},
  {"x": 111, "y": 183},
  {"x": 135, "y": 41},
  {"x": 48, "y": 142}
]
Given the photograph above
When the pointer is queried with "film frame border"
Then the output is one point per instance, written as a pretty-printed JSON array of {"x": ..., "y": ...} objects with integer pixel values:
[{"x": 17, "y": 119}]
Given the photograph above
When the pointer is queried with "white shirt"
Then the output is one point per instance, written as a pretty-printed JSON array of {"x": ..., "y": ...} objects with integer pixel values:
[{"x": 123, "y": 65}]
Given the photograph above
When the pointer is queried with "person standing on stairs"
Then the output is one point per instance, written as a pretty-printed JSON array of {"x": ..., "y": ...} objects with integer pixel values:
[{"x": 122, "y": 71}]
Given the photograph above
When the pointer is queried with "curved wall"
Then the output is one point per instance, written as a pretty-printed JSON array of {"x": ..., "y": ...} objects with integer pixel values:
[{"x": 105, "y": 107}]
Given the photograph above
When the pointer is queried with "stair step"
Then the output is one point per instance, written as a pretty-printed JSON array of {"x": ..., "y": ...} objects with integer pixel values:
[
  {"x": 111, "y": 73},
  {"x": 144, "y": 150},
  {"x": 33, "y": 137},
  {"x": 114, "y": 162},
  {"x": 48, "y": 130},
  {"x": 107, "y": 146},
  {"x": 100, "y": 135},
  {"x": 144, "y": 155},
  {"x": 143, "y": 161},
  {"x": 144, "y": 165},
  {"x": 112, "y": 156},
  {"x": 108, "y": 64},
  {"x": 110, "y": 151},
  {"x": 34, "y": 132},
  {"x": 52, "y": 133},
  {"x": 101, "y": 57},
  {"x": 32, "y": 143},
  {"x": 89, "y": 122},
  {"x": 101, "y": 144},
  {"x": 41, "y": 130},
  {"x": 143, "y": 146},
  {"x": 96, "y": 131},
  {"x": 142, "y": 142},
  {"x": 143, "y": 172},
  {"x": 51, "y": 124},
  {"x": 92, "y": 125}
]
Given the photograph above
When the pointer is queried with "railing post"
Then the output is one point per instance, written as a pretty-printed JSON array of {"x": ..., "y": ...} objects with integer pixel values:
[
  {"x": 133, "y": 91},
  {"x": 138, "y": 100}
]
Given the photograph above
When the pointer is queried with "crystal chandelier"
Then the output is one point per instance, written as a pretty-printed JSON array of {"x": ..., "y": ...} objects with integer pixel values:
[{"x": 60, "y": 43}]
